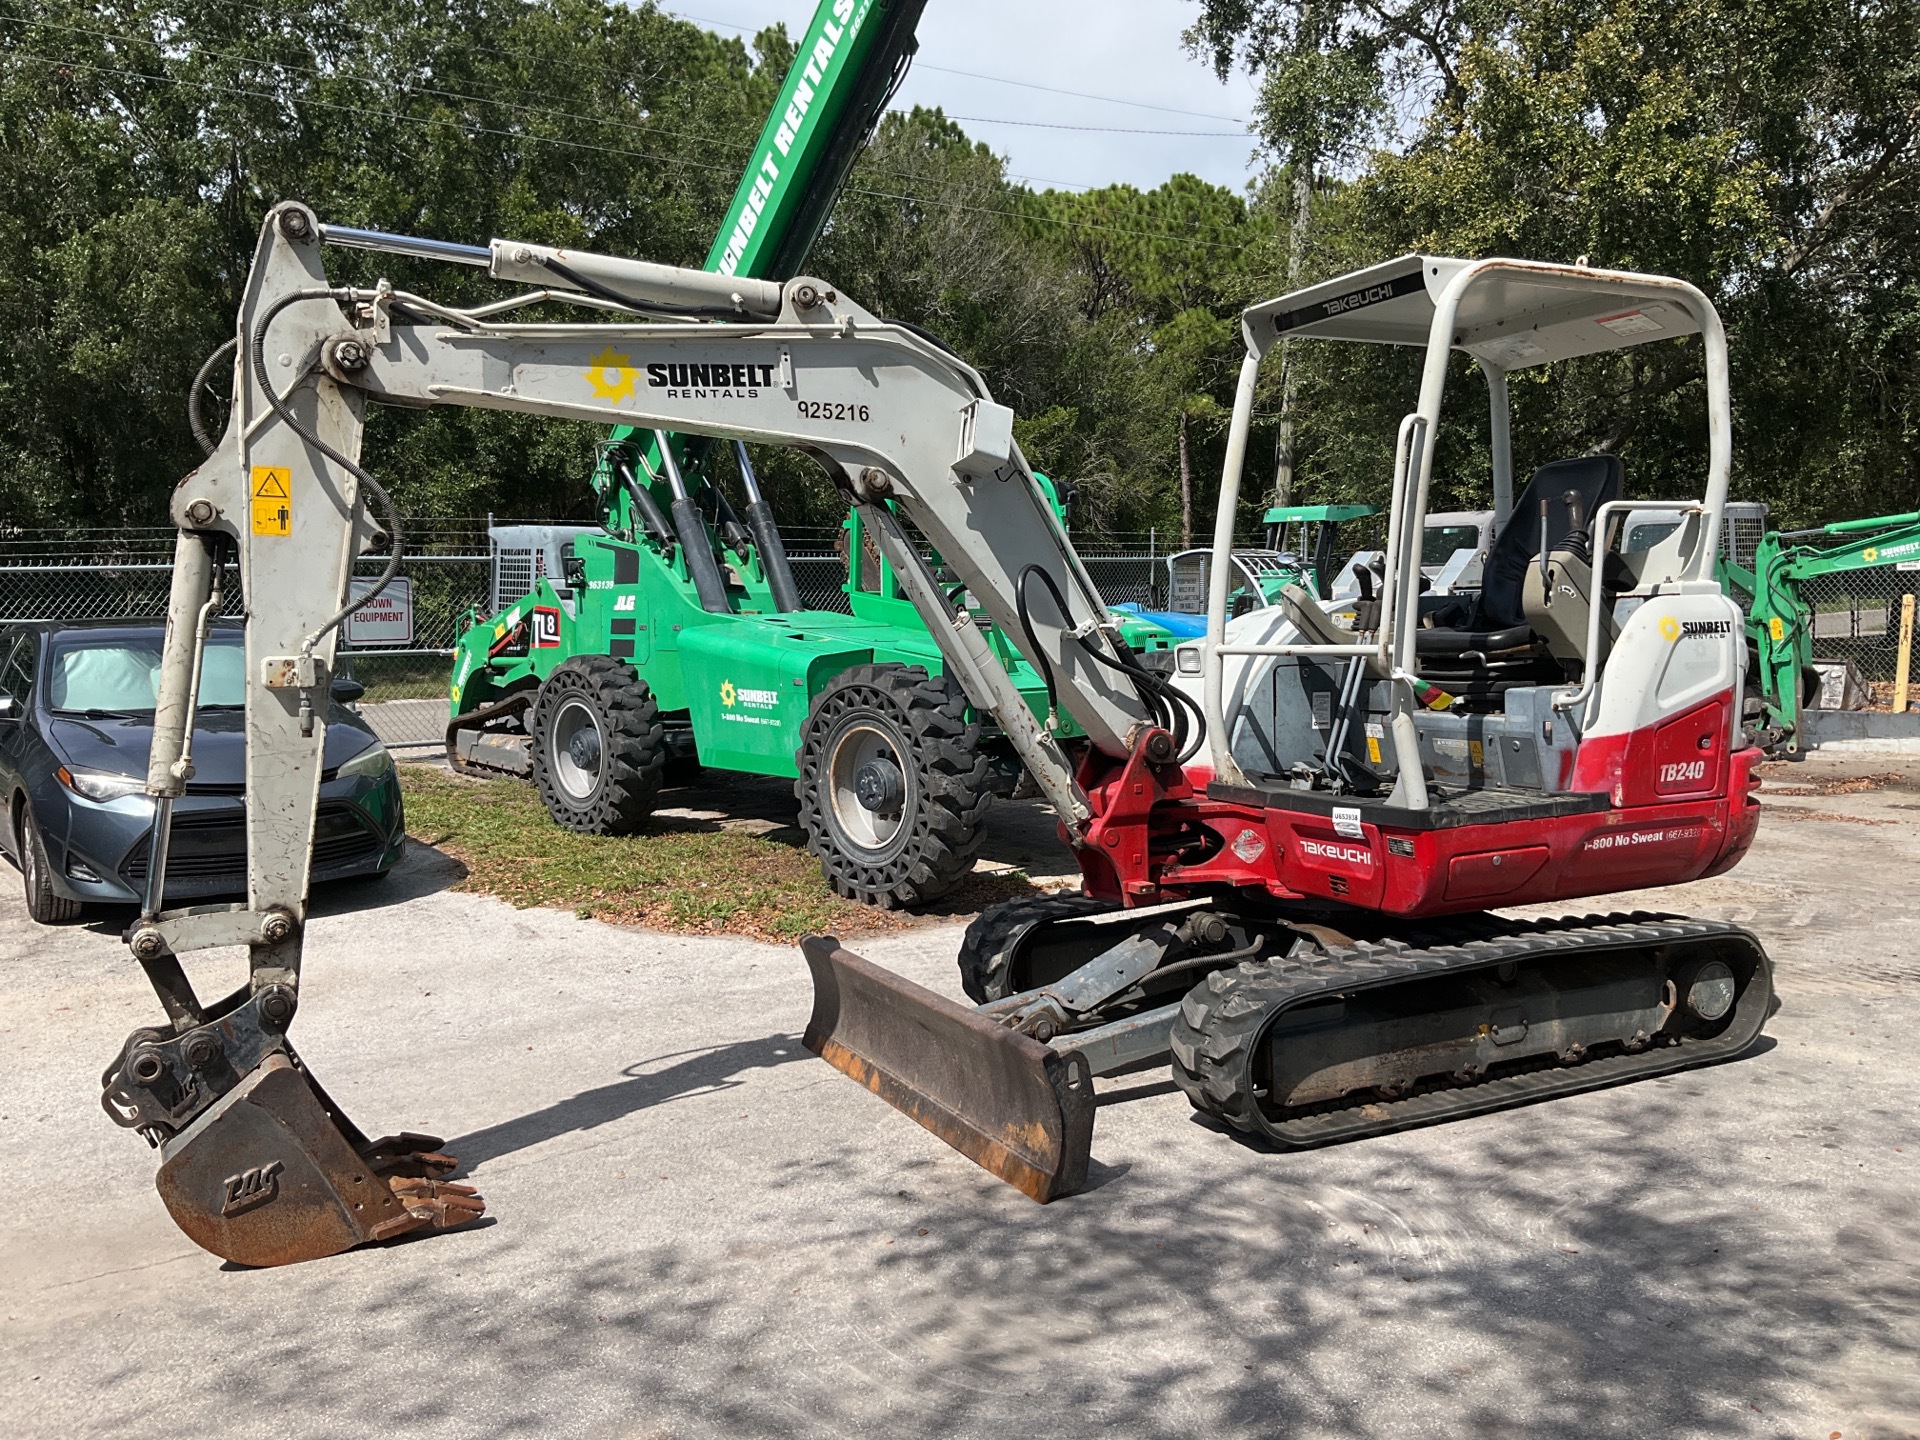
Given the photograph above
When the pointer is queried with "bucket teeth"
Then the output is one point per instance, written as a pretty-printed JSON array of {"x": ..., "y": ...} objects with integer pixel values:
[
  {"x": 271, "y": 1175},
  {"x": 431, "y": 1205}
]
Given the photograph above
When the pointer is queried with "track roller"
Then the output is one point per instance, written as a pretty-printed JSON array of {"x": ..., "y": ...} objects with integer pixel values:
[{"x": 1377, "y": 1037}]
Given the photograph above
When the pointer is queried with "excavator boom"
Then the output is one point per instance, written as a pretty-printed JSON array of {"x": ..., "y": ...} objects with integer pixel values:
[{"x": 258, "y": 1164}]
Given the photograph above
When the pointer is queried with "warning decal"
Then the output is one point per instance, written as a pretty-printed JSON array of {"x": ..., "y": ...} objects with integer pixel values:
[
  {"x": 272, "y": 501},
  {"x": 1631, "y": 322}
]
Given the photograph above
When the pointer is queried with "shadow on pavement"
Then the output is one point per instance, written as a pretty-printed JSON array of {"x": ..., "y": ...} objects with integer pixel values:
[
  {"x": 1362, "y": 1291},
  {"x": 1019, "y": 832},
  {"x": 422, "y": 870},
  {"x": 692, "y": 1072}
]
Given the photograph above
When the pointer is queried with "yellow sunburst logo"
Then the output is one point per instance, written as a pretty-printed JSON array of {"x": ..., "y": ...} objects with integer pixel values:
[
  {"x": 728, "y": 695},
  {"x": 1870, "y": 554},
  {"x": 612, "y": 376},
  {"x": 1669, "y": 628}
]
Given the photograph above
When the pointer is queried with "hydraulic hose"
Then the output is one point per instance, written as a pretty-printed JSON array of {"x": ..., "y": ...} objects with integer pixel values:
[
  {"x": 736, "y": 535},
  {"x": 353, "y": 468},
  {"x": 766, "y": 539},
  {"x": 194, "y": 420},
  {"x": 643, "y": 501},
  {"x": 1167, "y": 704}
]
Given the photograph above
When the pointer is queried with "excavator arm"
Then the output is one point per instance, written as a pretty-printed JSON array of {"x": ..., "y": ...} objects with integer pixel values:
[
  {"x": 1780, "y": 622},
  {"x": 258, "y": 1165}
]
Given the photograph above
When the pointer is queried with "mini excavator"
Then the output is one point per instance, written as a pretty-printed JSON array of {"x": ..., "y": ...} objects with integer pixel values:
[{"x": 1290, "y": 860}]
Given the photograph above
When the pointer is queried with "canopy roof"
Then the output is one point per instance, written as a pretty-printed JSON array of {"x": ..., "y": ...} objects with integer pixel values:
[
  {"x": 1512, "y": 319},
  {"x": 1292, "y": 514}
]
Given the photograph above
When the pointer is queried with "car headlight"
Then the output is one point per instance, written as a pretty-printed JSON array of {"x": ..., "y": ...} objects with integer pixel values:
[
  {"x": 95, "y": 785},
  {"x": 1187, "y": 659},
  {"x": 371, "y": 763}
]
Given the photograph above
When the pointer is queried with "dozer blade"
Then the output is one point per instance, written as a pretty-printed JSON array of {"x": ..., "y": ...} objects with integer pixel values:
[
  {"x": 268, "y": 1177},
  {"x": 1002, "y": 1099}
]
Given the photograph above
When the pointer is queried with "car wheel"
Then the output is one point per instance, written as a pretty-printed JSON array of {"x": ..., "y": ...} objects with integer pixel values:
[{"x": 44, "y": 904}]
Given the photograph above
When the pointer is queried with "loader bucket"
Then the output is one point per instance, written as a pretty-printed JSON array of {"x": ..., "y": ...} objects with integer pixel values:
[
  {"x": 1008, "y": 1103},
  {"x": 267, "y": 1176}
]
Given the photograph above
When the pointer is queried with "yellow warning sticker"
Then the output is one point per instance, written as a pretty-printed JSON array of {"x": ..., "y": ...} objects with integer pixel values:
[
  {"x": 1777, "y": 628},
  {"x": 272, "y": 500}
]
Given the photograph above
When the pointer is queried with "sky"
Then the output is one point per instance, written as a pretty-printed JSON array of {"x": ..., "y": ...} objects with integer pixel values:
[{"x": 1113, "y": 50}]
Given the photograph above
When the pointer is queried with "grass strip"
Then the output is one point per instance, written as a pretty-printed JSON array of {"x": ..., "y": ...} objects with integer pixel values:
[{"x": 674, "y": 874}]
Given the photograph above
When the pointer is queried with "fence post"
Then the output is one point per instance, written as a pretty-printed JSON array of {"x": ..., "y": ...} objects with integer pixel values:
[{"x": 1903, "y": 660}]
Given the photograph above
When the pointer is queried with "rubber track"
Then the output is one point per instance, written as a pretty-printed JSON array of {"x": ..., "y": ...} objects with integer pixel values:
[
  {"x": 986, "y": 953},
  {"x": 1223, "y": 1016},
  {"x": 955, "y": 775},
  {"x": 520, "y": 706}
]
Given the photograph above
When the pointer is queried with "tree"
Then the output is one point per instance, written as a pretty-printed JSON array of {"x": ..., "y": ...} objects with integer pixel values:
[
  {"x": 1768, "y": 153},
  {"x": 142, "y": 140}
]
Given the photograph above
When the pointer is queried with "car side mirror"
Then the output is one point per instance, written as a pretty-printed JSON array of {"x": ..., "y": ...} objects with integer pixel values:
[{"x": 347, "y": 691}]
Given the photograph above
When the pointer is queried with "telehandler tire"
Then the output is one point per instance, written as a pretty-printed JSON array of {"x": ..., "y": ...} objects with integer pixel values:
[
  {"x": 598, "y": 746},
  {"x": 893, "y": 785}
]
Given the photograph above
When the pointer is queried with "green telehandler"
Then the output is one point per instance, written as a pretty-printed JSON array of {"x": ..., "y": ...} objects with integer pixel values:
[{"x": 675, "y": 632}]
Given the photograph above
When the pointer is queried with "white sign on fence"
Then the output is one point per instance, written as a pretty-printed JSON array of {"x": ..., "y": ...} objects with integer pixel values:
[{"x": 387, "y": 619}]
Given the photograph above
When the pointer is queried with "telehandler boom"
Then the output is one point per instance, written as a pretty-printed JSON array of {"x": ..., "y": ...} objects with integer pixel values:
[{"x": 1271, "y": 915}]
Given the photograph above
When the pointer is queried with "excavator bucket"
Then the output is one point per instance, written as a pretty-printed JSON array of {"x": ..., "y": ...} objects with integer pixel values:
[
  {"x": 271, "y": 1174},
  {"x": 1008, "y": 1103}
]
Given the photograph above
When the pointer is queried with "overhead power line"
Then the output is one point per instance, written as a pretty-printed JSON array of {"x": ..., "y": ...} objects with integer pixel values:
[
  {"x": 1100, "y": 129},
  {"x": 995, "y": 79},
  {"x": 651, "y": 127},
  {"x": 465, "y": 127},
  {"x": 1077, "y": 94}
]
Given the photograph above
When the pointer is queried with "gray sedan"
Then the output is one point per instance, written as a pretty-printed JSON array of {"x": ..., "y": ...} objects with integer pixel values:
[{"x": 76, "y": 723}]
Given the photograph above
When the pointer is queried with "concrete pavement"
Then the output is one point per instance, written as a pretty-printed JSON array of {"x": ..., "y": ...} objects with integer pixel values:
[{"x": 697, "y": 1229}]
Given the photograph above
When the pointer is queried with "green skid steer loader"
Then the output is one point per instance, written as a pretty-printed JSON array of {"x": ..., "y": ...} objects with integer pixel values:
[{"x": 675, "y": 634}]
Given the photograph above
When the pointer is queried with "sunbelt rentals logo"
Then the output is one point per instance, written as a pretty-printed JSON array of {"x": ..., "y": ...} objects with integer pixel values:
[
  {"x": 737, "y": 703},
  {"x": 1672, "y": 629}
]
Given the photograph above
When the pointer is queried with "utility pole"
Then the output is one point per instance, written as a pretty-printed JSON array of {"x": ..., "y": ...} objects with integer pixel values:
[
  {"x": 1186, "y": 483},
  {"x": 1296, "y": 243}
]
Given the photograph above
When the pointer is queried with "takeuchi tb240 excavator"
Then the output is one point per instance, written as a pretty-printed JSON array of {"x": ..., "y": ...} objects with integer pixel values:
[{"x": 1289, "y": 863}]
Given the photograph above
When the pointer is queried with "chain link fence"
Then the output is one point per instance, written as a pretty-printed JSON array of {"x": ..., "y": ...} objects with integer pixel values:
[
  {"x": 1126, "y": 568},
  {"x": 401, "y": 656},
  {"x": 1856, "y": 617},
  {"x": 404, "y": 656},
  {"x": 448, "y": 568}
]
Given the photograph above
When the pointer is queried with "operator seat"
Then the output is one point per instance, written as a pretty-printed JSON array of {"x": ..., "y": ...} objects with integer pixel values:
[{"x": 1497, "y": 618}]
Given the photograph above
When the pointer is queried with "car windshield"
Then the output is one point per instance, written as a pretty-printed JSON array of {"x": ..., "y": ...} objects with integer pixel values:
[
  {"x": 120, "y": 674},
  {"x": 1440, "y": 541}
]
